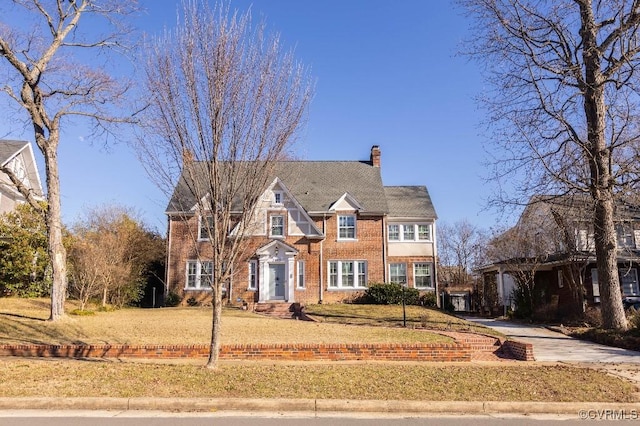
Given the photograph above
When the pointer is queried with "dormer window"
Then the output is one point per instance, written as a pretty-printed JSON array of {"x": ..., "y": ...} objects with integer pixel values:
[{"x": 277, "y": 226}]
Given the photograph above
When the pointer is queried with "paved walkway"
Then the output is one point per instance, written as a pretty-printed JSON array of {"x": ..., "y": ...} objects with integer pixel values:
[{"x": 553, "y": 346}]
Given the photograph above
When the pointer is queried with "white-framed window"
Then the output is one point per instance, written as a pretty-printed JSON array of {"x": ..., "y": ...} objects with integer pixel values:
[
  {"x": 253, "y": 274},
  {"x": 347, "y": 274},
  {"x": 347, "y": 227},
  {"x": 424, "y": 232},
  {"x": 199, "y": 275},
  {"x": 629, "y": 282},
  {"x": 398, "y": 273},
  {"x": 409, "y": 232},
  {"x": 422, "y": 275},
  {"x": 277, "y": 226},
  {"x": 205, "y": 226},
  {"x": 624, "y": 234},
  {"x": 301, "y": 274},
  {"x": 394, "y": 232},
  {"x": 277, "y": 197}
]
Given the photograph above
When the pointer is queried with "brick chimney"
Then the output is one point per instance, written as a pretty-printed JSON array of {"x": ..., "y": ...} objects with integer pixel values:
[{"x": 375, "y": 156}]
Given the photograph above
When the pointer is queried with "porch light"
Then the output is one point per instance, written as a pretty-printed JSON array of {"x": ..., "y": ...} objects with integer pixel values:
[{"x": 276, "y": 251}]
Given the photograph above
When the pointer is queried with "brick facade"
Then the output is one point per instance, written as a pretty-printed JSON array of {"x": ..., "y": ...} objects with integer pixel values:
[{"x": 310, "y": 231}]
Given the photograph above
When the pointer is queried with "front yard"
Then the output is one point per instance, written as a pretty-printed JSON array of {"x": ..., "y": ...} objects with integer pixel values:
[{"x": 24, "y": 321}]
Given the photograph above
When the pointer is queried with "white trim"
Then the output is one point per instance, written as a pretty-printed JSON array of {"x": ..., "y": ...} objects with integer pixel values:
[
  {"x": 349, "y": 199},
  {"x": 198, "y": 275},
  {"x": 252, "y": 284},
  {"x": 430, "y": 275},
  {"x": 355, "y": 227},
  {"x": 356, "y": 274},
  {"x": 301, "y": 271},
  {"x": 416, "y": 232}
]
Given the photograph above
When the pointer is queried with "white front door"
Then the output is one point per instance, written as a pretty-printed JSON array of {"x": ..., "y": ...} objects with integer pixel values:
[{"x": 276, "y": 281}]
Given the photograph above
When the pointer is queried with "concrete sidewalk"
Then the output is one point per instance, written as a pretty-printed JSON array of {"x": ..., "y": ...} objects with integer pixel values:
[
  {"x": 311, "y": 406},
  {"x": 556, "y": 347}
]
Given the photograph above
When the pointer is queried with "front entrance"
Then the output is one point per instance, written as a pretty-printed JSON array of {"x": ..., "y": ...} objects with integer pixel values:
[{"x": 276, "y": 281}]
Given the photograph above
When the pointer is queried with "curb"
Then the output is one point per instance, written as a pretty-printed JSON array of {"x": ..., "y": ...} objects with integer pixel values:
[{"x": 313, "y": 405}]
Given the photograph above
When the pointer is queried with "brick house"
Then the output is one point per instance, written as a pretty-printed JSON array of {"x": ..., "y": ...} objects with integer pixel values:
[
  {"x": 18, "y": 158},
  {"x": 553, "y": 244},
  {"x": 323, "y": 231}
]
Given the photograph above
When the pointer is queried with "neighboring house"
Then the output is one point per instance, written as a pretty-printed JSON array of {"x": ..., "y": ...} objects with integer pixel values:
[
  {"x": 18, "y": 158},
  {"x": 326, "y": 230},
  {"x": 553, "y": 242}
]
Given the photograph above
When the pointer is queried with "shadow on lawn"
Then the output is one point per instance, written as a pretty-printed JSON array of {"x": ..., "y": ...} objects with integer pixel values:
[{"x": 23, "y": 329}]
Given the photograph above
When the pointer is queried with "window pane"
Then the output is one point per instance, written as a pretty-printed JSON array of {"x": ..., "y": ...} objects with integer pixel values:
[
  {"x": 253, "y": 276},
  {"x": 424, "y": 232},
  {"x": 422, "y": 275},
  {"x": 346, "y": 227},
  {"x": 362, "y": 274},
  {"x": 629, "y": 282},
  {"x": 191, "y": 274},
  {"x": 333, "y": 274},
  {"x": 206, "y": 225},
  {"x": 398, "y": 273},
  {"x": 347, "y": 274},
  {"x": 394, "y": 232},
  {"x": 409, "y": 232},
  {"x": 301, "y": 274},
  {"x": 206, "y": 274},
  {"x": 277, "y": 225}
]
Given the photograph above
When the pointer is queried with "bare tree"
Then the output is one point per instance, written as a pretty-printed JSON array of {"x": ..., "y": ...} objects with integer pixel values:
[
  {"x": 50, "y": 82},
  {"x": 564, "y": 106},
  {"x": 226, "y": 103},
  {"x": 111, "y": 255},
  {"x": 460, "y": 249}
]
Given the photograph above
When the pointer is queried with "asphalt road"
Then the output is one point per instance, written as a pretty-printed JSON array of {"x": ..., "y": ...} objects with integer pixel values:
[
  {"x": 74, "y": 418},
  {"x": 556, "y": 347}
]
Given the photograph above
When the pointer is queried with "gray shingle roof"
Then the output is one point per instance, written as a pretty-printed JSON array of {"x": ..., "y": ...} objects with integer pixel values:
[
  {"x": 409, "y": 202},
  {"x": 316, "y": 185},
  {"x": 8, "y": 148}
]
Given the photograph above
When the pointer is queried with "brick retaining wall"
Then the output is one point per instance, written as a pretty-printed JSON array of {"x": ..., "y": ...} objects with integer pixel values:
[
  {"x": 520, "y": 351},
  {"x": 444, "y": 352}
]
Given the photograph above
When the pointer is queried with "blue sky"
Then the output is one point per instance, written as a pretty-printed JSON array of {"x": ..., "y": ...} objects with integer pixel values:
[{"x": 387, "y": 74}]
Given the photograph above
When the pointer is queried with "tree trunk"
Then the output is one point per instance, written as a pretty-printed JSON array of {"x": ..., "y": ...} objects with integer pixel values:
[
  {"x": 602, "y": 183},
  {"x": 56, "y": 249},
  {"x": 613, "y": 316},
  {"x": 214, "y": 347}
]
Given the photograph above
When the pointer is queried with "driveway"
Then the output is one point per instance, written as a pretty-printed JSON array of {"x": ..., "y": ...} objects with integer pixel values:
[{"x": 552, "y": 346}]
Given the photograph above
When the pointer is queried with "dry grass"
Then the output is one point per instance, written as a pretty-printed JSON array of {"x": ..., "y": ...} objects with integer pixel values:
[
  {"x": 329, "y": 381},
  {"x": 24, "y": 321},
  {"x": 391, "y": 315}
]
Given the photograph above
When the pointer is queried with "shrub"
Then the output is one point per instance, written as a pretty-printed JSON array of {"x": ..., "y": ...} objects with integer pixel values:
[
  {"x": 192, "y": 301},
  {"x": 81, "y": 312},
  {"x": 429, "y": 299},
  {"x": 592, "y": 317},
  {"x": 172, "y": 299},
  {"x": 391, "y": 294}
]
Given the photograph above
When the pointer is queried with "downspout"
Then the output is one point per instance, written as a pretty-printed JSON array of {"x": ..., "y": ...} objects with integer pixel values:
[
  {"x": 434, "y": 249},
  {"x": 324, "y": 232},
  {"x": 168, "y": 259},
  {"x": 385, "y": 241}
]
